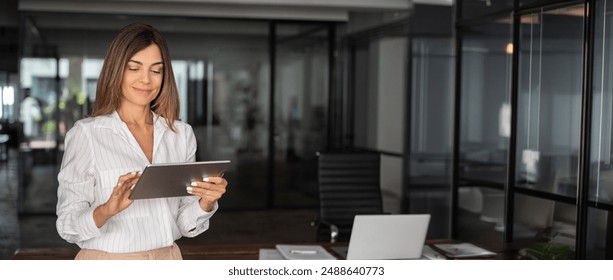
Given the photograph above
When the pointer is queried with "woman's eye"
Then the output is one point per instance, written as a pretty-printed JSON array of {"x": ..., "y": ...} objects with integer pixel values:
[
  {"x": 133, "y": 69},
  {"x": 156, "y": 71}
]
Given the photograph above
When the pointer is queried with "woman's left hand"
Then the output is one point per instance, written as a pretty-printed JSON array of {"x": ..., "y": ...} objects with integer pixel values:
[{"x": 209, "y": 190}]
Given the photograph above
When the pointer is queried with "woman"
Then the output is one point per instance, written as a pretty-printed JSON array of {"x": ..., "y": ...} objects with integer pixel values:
[{"x": 134, "y": 123}]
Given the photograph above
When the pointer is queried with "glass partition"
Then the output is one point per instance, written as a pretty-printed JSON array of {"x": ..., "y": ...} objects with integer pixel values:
[
  {"x": 484, "y": 129},
  {"x": 549, "y": 127},
  {"x": 431, "y": 131},
  {"x": 549, "y": 100},
  {"x": 541, "y": 221},
  {"x": 301, "y": 111},
  {"x": 224, "y": 77},
  {"x": 599, "y": 241},
  {"x": 601, "y": 188},
  {"x": 545, "y": 208},
  {"x": 485, "y": 120}
]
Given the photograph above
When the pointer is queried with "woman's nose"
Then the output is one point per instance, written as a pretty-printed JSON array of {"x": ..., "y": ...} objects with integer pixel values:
[{"x": 145, "y": 79}]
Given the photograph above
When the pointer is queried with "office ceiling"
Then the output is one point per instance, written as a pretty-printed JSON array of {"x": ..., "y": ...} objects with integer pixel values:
[
  {"x": 99, "y": 20},
  {"x": 316, "y": 10}
]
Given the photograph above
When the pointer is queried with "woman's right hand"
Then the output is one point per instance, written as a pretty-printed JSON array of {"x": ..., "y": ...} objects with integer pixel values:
[{"x": 119, "y": 199}]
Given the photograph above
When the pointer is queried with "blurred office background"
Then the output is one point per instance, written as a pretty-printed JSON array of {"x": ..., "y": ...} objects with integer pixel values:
[{"x": 492, "y": 116}]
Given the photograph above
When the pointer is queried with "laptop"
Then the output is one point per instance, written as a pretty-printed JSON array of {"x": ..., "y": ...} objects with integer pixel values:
[{"x": 386, "y": 237}]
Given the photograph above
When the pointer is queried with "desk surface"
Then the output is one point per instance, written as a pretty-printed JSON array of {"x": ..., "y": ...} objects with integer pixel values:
[{"x": 189, "y": 252}]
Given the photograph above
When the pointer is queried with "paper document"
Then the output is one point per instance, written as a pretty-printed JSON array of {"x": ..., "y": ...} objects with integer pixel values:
[
  {"x": 270, "y": 254},
  {"x": 463, "y": 250},
  {"x": 430, "y": 254},
  {"x": 304, "y": 252}
]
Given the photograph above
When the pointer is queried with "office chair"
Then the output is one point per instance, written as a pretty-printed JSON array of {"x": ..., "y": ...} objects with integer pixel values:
[{"x": 349, "y": 184}]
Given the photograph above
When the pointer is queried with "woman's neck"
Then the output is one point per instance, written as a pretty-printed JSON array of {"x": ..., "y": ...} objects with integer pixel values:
[{"x": 138, "y": 116}]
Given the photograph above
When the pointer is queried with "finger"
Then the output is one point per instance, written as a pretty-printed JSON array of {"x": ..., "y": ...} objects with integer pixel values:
[
  {"x": 209, "y": 186},
  {"x": 124, "y": 188},
  {"x": 119, "y": 190},
  {"x": 128, "y": 180},
  {"x": 127, "y": 176},
  {"x": 214, "y": 180},
  {"x": 128, "y": 191},
  {"x": 131, "y": 181},
  {"x": 199, "y": 186},
  {"x": 204, "y": 193}
]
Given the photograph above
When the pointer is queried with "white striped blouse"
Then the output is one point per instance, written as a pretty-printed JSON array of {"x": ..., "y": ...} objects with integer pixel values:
[{"x": 97, "y": 151}]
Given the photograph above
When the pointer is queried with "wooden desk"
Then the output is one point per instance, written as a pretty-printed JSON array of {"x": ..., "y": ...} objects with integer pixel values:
[
  {"x": 189, "y": 252},
  {"x": 193, "y": 252}
]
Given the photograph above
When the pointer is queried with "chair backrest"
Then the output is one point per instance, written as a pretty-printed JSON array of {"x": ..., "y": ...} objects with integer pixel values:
[{"x": 349, "y": 184}]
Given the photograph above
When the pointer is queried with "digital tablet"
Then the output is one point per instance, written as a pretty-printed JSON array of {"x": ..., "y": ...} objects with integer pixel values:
[{"x": 172, "y": 179}]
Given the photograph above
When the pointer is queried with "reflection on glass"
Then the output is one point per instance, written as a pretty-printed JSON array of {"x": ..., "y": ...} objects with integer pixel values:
[
  {"x": 601, "y": 183},
  {"x": 431, "y": 133},
  {"x": 599, "y": 243},
  {"x": 549, "y": 101},
  {"x": 486, "y": 75},
  {"x": 484, "y": 123},
  {"x": 301, "y": 106},
  {"x": 223, "y": 82},
  {"x": 547, "y": 228}
]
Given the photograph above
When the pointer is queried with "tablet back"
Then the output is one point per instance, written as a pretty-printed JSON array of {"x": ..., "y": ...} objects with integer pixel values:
[{"x": 171, "y": 180}]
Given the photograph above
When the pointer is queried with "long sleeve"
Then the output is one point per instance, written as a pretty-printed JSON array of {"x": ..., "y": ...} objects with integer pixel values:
[
  {"x": 192, "y": 220},
  {"x": 76, "y": 178}
]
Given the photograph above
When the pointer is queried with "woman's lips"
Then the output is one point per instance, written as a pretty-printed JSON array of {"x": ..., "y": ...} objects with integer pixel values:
[{"x": 143, "y": 91}]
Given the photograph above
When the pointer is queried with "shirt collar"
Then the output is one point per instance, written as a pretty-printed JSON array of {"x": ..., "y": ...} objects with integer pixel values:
[
  {"x": 159, "y": 128},
  {"x": 159, "y": 122}
]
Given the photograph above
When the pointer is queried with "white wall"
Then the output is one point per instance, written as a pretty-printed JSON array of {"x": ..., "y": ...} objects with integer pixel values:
[{"x": 391, "y": 91}]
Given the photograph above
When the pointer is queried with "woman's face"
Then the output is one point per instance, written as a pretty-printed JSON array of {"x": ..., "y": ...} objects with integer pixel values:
[{"x": 142, "y": 77}]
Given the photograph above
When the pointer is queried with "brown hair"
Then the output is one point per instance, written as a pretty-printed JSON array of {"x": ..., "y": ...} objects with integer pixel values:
[{"x": 130, "y": 40}]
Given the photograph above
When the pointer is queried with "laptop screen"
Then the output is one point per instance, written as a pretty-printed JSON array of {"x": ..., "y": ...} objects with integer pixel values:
[{"x": 388, "y": 236}]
